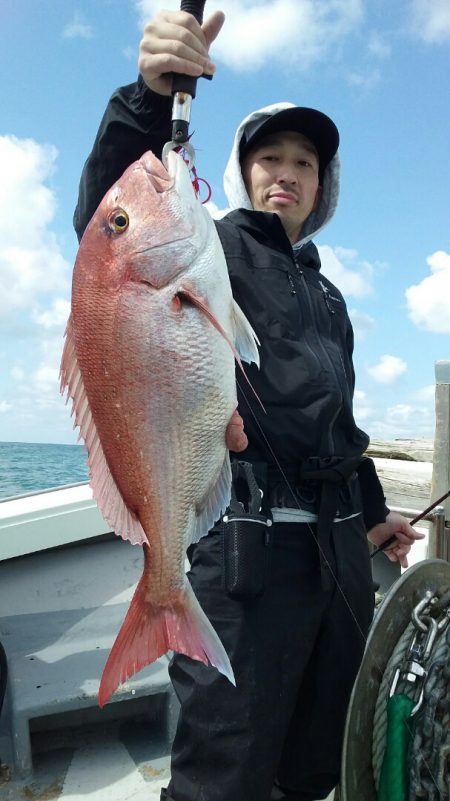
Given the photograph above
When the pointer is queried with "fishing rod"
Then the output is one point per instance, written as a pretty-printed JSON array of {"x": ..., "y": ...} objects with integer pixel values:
[
  {"x": 393, "y": 539},
  {"x": 183, "y": 93}
]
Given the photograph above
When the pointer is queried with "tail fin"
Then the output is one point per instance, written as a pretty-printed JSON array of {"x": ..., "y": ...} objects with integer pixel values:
[{"x": 149, "y": 631}]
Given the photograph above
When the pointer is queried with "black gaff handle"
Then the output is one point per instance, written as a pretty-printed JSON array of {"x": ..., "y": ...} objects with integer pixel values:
[
  {"x": 194, "y": 7},
  {"x": 186, "y": 83}
]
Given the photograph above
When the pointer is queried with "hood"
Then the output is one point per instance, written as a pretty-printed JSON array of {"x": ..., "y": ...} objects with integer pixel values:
[{"x": 238, "y": 198}]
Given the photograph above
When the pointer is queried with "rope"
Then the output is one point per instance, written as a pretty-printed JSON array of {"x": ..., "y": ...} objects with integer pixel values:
[
  {"x": 414, "y": 751},
  {"x": 429, "y": 774}
]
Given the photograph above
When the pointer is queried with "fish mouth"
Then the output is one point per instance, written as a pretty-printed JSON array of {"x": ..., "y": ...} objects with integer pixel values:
[
  {"x": 174, "y": 221},
  {"x": 156, "y": 173},
  {"x": 166, "y": 183},
  {"x": 163, "y": 178}
]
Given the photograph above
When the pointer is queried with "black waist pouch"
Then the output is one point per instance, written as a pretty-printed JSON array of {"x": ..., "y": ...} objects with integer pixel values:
[{"x": 246, "y": 537}]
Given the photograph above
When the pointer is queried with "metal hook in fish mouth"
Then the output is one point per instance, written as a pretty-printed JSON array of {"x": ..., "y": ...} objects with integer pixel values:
[{"x": 186, "y": 146}]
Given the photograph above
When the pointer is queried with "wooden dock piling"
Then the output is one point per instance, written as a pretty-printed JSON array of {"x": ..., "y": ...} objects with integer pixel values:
[{"x": 439, "y": 540}]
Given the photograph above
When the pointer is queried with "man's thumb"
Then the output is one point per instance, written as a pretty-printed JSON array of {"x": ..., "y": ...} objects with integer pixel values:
[{"x": 212, "y": 26}]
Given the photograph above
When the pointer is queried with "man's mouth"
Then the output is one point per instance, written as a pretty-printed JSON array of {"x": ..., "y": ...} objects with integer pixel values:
[{"x": 284, "y": 197}]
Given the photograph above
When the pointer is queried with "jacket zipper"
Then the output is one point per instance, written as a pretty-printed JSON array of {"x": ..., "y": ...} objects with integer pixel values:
[
  {"x": 324, "y": 351},
  {"x": 326, "y": 297},
  {"x": 291, "y": 284},
  {"x": 294, "y": 292}
]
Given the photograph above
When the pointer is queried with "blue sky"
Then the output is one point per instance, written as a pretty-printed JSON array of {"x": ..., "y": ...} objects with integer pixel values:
[{"x": 379, "y": 69}]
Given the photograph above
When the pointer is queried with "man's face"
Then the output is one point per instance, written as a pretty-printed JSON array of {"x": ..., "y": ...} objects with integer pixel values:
[{"x": 281, "y": 175}]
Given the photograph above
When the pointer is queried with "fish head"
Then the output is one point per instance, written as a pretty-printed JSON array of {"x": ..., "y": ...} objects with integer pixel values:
[{"x": 149, "y": 227}]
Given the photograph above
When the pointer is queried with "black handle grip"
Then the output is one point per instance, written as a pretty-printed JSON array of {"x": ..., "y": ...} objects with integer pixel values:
[
  {"x": 185, "y": 83},
  {"x": 194, "y": 7}
]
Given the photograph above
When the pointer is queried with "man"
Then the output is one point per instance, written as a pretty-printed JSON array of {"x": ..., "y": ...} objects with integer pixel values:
[{"x": 296, "y": 645}]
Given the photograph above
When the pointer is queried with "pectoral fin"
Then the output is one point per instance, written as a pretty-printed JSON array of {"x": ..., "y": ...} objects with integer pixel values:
[{"x": 245, "y": 336}]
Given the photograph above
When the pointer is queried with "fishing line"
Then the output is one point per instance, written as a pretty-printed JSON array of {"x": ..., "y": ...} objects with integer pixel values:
[
  {"x": 346, "y": 602},
  {"x": 291, "y": 490}
]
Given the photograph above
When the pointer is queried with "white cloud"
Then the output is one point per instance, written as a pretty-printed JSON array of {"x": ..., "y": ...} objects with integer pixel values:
[
  {"x": 414, "y": 418},
  {"x": 363, "y": 324},
  {"x": 35, "y": 283},
  {"x": 129, "y": 53},
  {"x": 351, "y": 275},
  {"x": 378, "y": 47},
  {"x": 388, "y": 369},
  {"x": 426, "y": 393},
  {"x": 39, "y": 387},
  {"x": 363, "y": 409},
  {"x": 429, "y": 302},
  {"x": 25, "y": 166},
  {"x": 364, "y": 80},
  {"x": 18, "y": 373},
  {"x": 77, "y": 28},
  {"x": 430, "y": 20},
  {"x": 410, "y": 417},
  {"x": 31, "y": 263},
  {"x": 46, "y": 385},
  {"x": 297, "y": 33},
  {"x": 56, "y": 316},
  {"x": 400, "y": 413},
  {"x": 403, "y": 421}
]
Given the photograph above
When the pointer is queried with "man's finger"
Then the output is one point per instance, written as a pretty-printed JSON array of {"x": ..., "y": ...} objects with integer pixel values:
[
  {"x": 212, "y": 26},
  {"x": 235, "y": 436},
  {"x": 236, "y": 439}
]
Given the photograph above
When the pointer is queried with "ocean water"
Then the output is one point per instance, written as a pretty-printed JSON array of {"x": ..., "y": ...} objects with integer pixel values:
[{"x": 30, "y": 467}]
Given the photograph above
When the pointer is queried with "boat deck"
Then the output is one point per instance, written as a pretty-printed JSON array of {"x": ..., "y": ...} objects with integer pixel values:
[
  {"x": 109, "y": 761},
  {"x": 60, "y": 612}
]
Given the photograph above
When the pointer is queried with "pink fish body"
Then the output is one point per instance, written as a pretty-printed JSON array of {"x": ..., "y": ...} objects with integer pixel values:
[{"x": 148, "y": 362}]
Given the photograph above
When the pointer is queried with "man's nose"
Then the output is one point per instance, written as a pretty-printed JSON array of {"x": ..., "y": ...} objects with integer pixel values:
[{"x": 287, "y": 174}]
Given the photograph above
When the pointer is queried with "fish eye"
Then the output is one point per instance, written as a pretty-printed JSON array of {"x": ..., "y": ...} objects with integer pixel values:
[{"x": 118, "y": 221}]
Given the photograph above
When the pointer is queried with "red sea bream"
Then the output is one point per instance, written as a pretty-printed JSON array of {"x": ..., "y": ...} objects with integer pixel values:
[{"x": 148, "y": 362}]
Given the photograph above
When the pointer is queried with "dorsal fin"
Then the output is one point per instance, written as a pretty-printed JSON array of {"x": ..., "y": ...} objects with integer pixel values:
[{"x": 105, "y": 490}]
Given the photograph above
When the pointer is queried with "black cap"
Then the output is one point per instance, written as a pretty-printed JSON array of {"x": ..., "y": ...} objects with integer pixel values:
[{"x": 315, "y": 125}]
